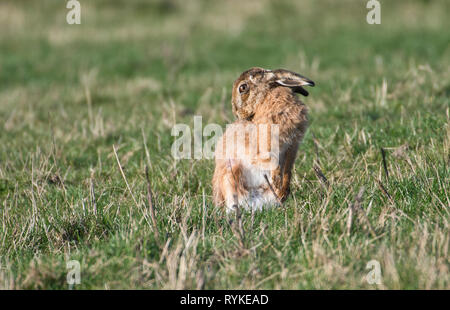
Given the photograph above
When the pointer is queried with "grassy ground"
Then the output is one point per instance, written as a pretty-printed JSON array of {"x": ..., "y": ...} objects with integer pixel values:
[{"x": 132, "y": 69}]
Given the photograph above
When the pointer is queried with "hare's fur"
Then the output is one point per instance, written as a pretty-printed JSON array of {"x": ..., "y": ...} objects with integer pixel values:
[{"x": 248, "y": 180}]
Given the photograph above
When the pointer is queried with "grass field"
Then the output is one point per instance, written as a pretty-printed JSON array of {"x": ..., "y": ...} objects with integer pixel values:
[{"x": 74, "y": 96}]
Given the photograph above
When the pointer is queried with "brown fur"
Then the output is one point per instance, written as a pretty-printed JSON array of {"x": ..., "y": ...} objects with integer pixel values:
[{"x": 269, "y": 98}]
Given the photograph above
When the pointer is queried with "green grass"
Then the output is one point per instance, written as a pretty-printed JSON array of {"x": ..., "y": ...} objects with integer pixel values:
[{"x": 133, "y": 69}]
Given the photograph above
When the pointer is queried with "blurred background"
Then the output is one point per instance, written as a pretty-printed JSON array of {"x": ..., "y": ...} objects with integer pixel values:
[
  {"x": 134, "y": 65},
  {"x": 142, "y": 54}
]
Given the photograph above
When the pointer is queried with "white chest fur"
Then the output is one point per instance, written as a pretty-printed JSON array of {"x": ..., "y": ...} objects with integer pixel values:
[{"x": 256, "y": 183}]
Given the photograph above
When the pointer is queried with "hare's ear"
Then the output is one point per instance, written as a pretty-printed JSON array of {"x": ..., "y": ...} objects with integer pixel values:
[{"x": 292, "y": 80}]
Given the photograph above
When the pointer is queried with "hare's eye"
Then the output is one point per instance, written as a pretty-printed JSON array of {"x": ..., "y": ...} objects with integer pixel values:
[{"x": 243, "y": 88}]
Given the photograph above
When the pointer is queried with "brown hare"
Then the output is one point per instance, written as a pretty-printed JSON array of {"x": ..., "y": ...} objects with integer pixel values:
[{"x": 255, "y": 156}]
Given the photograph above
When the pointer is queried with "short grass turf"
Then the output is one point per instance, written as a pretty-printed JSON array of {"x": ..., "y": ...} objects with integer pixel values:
[{"x": 74, "y": 96}]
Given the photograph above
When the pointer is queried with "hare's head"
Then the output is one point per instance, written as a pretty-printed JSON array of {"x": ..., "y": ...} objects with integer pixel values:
[{"x": 254, "y": 85}]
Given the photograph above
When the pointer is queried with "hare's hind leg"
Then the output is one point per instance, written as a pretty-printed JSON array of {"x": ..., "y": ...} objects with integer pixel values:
[{"x": 228, "y": 185}]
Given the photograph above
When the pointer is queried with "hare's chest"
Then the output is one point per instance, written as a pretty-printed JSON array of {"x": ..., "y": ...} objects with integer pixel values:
[
  {"x": 259, "y": 193},
  {"x": 255, "y": 176},
  {"x": 257, "y": 172}
]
